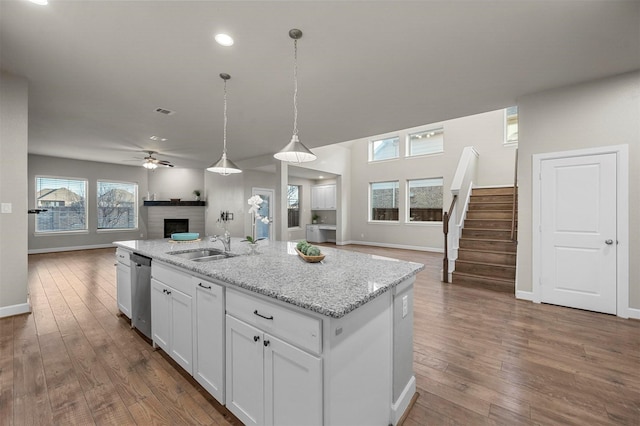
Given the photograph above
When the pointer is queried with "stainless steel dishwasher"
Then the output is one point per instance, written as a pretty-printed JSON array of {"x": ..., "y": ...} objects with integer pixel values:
[{"x": 141, "y": 293}]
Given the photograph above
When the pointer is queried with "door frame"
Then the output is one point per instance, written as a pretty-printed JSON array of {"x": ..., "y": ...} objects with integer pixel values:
[{"x": 622, "y": 219}]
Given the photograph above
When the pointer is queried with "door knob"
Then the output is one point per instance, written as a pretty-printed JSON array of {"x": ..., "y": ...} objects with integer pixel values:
[{"x": 609, "y": 242}]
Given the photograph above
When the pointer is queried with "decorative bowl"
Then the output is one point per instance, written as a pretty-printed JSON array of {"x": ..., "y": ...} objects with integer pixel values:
[
  {"x": 310, "y": 259},
  {"x": 185, "y": 236}
]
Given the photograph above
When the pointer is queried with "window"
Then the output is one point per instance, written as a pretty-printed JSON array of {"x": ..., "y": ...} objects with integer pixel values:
[
  {"x": 293, "y": 206},
  {"x": 117, "y": 206},
  {"x": 384, "y": 149},
  {"x": 425, "y": 200},
  {"x": 511, "y": 125},
  {"x": 383, "y": 199},
  {"x": 426, "y": 142},
  {"x": 65, "y": 202}
]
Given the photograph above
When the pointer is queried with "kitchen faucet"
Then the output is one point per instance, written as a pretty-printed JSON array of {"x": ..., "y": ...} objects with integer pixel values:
[{"x": 225, "y": 240}]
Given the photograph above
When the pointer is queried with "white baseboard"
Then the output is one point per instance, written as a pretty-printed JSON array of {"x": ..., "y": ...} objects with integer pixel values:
[
  {"x": 524, "y": 295},
  {"x": 9, "y": 311},
  {"x": 399, "y": 407},
  {"x": 633, "y": 313},
  {"x": 71, "y": 248},
  {"x": 398, "y": 246}
]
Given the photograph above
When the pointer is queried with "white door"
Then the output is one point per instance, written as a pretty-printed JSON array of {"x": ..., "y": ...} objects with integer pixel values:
[
  {"x": 264, "y": 230},
  {"x": 181, "y": 329},
  {"x": 160, "y": 326},
  {"x": 578, "y": 232}
]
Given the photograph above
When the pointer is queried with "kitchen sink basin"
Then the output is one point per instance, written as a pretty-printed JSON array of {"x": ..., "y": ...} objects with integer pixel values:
[{"x": 202, "y": 255}]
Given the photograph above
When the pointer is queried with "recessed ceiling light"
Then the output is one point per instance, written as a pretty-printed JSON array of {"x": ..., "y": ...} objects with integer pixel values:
[
  {"x": 320, "y": 177},
  {"x": 40, "y": 2},
  {"x": 224, "y": 39},
  {"x": 157, "y": 138}
]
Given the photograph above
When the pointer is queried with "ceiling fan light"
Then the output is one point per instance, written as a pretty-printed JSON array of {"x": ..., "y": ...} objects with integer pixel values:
[
  {"x": 295, "y": 152},
  {"x": 224, "y": 166},
  {"x": 149, "y": 165}
]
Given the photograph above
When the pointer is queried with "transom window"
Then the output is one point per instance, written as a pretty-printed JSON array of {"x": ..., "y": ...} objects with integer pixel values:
[
  {"x": 117, "y": 206},
  {"x": 426, "y": 142},
  {"x": 384, "y": 149},
  {"x": 383, "y": 199},
  {"x": 65, "y": 202},
  {"x": 424, "y": 200},
  {"x": 293, "y": 206}
]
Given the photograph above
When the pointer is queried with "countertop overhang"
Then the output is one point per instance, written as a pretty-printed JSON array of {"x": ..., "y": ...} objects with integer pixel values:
[{"x": 344, "y": 281}]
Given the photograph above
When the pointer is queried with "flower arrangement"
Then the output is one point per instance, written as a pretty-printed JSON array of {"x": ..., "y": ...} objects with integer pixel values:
[{"x": 255, "y": 202}]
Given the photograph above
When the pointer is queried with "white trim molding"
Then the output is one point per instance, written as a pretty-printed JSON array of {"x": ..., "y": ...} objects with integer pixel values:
[
  {"x": 634, "y": 313},
  {"x": 622, "y": 219},
  {"x": 19, "y": 309},
  {"x": 70, "y": 248},
  {"x": 397, "y": 246},
  {"x": 524, "y": 295}
]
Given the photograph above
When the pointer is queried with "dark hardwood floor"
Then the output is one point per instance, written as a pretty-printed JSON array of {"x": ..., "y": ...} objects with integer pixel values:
[{"x": 480, "y": 357}]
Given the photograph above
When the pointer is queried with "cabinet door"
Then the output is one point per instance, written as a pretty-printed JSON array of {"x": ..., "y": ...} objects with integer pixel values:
[
  {"x": 209, "y": 333},
  {"x": 330, "y": 197},
  {"x": 181, "y": 329},
  {"x": 123, "y": 288},
  {"x": 160, "y": 325},
  {"x": 293, "y": 385},
  {"x": 244, "y": 378},
  {"x": 316, "y": 197}
]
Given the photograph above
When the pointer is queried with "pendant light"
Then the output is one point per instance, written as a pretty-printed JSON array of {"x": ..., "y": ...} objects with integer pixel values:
[
  {"x": 295, "y": 151},
  {"x": 224, "y": 166}
]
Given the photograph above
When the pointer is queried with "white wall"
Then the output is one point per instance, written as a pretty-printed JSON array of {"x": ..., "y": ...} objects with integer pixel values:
[
  {"x": 169, "y": 183},
  {"x": 599, "y": 113},
  {"x": 13, "y": 190},
  {"x": 40, "y": 165},
  {"x": 496, "y": 165}
]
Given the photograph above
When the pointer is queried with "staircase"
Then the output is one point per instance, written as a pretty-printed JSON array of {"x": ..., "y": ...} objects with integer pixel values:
[{"x": 487, "y": 254}]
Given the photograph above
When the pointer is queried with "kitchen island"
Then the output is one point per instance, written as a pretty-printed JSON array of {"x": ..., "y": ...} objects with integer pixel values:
[{"x": 281, "y": 341}]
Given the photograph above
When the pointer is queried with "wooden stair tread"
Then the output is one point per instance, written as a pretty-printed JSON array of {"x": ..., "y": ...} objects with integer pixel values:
[
  {"x": 487, "y": 240},
  {"x": 485, "y": 251},
  {"x": 482, "y": 277},
  {"x": 501, "y": 265}
]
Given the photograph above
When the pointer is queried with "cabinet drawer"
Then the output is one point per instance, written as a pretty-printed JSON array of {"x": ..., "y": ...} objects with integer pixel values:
[
  {"x": 172, "y": 277},
  {"x": 297, "y": 328},
  {"x": 122, "y": 256}
]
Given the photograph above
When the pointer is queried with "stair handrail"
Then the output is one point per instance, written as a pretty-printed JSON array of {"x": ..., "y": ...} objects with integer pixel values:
[
  {"x": 445, "y": 228},
  {"x": 461, "y": 186},
  {"x": 515, "y": 199}
]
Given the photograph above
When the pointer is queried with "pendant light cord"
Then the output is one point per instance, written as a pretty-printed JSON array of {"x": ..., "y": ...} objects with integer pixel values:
[
  {"x": 295, "y": 86},
  {"x": 224, "y": 135}
]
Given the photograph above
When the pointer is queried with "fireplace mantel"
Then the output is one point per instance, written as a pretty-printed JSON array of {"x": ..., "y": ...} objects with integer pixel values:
[{"x": 172, "y": 204}]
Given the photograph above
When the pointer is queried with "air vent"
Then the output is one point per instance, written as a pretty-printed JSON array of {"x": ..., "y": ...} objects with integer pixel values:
[{"x": 165, "y": 111}]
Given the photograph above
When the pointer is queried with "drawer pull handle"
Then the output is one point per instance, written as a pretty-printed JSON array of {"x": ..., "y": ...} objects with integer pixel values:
[
  {"x": 266, "y": 343},
  {"x": 262, "y": 316},
  {"x": 256, "y": 338},
  {"x": 205, "y": 286}
]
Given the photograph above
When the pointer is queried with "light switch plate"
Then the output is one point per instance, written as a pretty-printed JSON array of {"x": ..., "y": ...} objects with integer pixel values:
[{"x": 6, "y": 207}]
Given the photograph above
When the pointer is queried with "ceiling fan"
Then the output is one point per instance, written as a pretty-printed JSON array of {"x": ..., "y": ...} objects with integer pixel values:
[{"x": 151, "y": 162}]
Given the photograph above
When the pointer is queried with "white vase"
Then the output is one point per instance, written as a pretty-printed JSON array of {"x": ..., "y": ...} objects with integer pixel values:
[{"x": 253, "y": 249}]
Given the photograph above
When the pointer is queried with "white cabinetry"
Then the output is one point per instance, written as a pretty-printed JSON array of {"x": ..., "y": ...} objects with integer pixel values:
[
  {"x": 323, "y": 197},
  {"x": 171, "y": 314},
  {"x": 270, "y": 381},
  {"x": 208, "y": 362},
  {"x": 123, "y": 281}
]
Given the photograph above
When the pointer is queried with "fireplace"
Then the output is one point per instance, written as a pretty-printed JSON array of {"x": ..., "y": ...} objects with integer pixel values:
[{"x": 172, "y": 226}]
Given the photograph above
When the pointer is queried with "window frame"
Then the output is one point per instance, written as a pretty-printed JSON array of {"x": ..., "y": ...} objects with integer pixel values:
[
  {"x": 506, "y": 141},
  {"x": 408, "y": 202},
  {"x": 136, "y": 209},
  {"x": 397, "y": 202},
  {"x": 408, "y": 145},
  {"x": 371, "y": 153},
  {"x": 85, "y": 230},
  {"x": 299, "y": 226}
]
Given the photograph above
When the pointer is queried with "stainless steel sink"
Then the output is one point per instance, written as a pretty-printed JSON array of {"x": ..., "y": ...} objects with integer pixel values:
[{"x": 202, "y": 255}]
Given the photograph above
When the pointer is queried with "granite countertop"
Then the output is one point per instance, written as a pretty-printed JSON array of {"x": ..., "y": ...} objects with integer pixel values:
[{"x": 343, "y": 281}]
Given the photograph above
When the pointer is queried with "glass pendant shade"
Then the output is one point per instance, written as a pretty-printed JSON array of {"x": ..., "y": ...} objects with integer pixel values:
[
  {"x": 295, "y": 152},
  {"x": 224, "y": 166},
  {"x": 149, "y": 165}
]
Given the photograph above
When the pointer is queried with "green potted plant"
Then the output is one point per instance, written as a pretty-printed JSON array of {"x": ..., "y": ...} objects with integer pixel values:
[
  {"x": 314, "y": 218},
  {"x": 196, "y": 192}
]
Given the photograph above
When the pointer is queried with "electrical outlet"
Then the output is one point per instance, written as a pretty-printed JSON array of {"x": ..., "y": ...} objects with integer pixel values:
[{"x": 405, "y": 305}]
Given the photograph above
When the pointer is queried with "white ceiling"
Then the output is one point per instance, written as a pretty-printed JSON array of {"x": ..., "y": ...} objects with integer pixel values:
[{"x": 97, "y": 70}]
